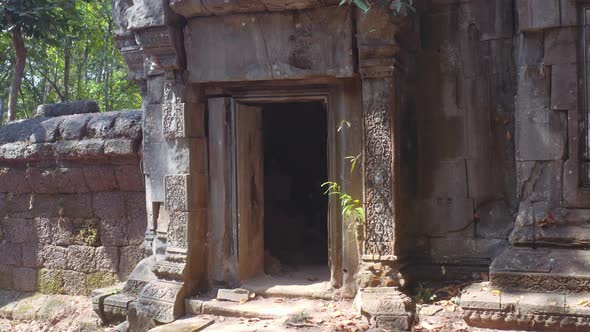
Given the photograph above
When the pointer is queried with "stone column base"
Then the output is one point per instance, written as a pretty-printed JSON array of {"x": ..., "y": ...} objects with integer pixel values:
[{"x": 387, "y": 308}]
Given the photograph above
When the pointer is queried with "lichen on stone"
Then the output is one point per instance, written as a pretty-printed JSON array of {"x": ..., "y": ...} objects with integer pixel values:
[
  {"x": 89, "y": 233},
  {"x": 50, "y": 281},
  {"x": 100, "y": 280}
]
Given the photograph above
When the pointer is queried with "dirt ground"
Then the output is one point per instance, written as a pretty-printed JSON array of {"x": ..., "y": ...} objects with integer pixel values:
[{"x": 440, "y": 315}]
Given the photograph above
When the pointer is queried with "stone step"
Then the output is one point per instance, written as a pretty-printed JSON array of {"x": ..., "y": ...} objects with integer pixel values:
[
  {"x": 544, "y": 270},
  {"x": 487, "y": 306},
  {"x": 262, "y": 308},
  {"x": 311, "y": 284}
]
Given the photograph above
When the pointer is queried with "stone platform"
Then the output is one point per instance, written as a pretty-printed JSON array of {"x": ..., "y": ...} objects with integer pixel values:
[
  {"x": 488, "y": 307},
  {"x": 543, "y": 270}
]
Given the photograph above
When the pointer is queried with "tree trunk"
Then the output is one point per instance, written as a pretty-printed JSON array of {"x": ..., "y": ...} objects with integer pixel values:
[
  {"x": 67, "y": 65},
  {"x": 1, "y": 111},
  {"x": 19, "y": 68}
]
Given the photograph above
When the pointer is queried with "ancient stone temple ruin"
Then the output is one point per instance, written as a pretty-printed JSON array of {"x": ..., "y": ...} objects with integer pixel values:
[{"x": 470, "y": 119}]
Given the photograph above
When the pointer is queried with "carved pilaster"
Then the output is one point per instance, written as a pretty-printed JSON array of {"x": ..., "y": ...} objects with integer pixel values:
[
  {"x": 379, "y": 274},
  {"x": 378, "y": 64}
]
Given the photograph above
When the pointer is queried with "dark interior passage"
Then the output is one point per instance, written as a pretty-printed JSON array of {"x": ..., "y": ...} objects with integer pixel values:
[{"x": 295, "y": 166}]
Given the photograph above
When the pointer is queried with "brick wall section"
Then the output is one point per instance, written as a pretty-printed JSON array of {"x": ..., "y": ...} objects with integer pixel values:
[{"x": 72, "y": 202}]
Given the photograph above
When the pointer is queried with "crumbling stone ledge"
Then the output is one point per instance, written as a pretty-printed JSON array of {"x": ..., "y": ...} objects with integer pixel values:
[{"x": 72, "y": 201}]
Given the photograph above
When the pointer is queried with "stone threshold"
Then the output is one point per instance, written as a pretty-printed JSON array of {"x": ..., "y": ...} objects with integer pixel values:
[
  {"x": 261, "y": 308},
  {"x": 485, "y": 306}
]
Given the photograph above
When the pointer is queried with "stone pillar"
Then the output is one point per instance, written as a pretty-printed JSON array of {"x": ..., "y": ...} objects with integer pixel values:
[
  {"x": 185, "y": 202},
  {"x": 379, "y": 277}
]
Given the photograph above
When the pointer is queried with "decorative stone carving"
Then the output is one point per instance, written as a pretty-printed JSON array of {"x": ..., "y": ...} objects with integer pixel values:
[
  {"x": 177, "y": 230},
  {"x": 177, "y": 192},
  {"x": 379, "y": 163},
  {"x": 387, "y": 308},
  {"x": 162, "y": 300},
  {"x": 378, "y": 67}
]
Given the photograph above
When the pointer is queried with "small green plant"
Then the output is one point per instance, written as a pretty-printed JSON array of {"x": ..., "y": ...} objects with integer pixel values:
[
  {"x": 425, "y": 294},
  {"x": 397, "y": 6},
  {"x": 351, "y": 208}
]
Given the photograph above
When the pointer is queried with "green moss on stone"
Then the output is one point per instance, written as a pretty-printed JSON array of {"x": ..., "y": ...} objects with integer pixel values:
[
  {"x": 50, "y": 281},
  {"x": 6, "y": 280},
  {"x": 89, "y": 234},
  {"x": 100, "y": 280}
]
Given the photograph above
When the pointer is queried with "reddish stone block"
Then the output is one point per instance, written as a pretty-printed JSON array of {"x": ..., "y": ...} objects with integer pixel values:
[
  {"x": 107, "y": 259},
  {"x": 63, "y": 232},
  {"x": 13, "y": 180},
  {"x": 41, "y": 180},
  {"x": 43, "y": 229},
  {"x": 74, "y": 283},
  {"x": 130, "y": 257},
  {"x": 113, "y": 232},
  {"x": 70, "y": 180},
  {"x": 77, "y": 205},
  {"x": 561, "y": 46},
  {"x": 109, "y": 205},
  {"x": 54, "y": 257},
  {"x": 32, "y": 256},
  {"x": 10, "y": 253},
  {"x": 25, "y": 279},
  {"x": 538, "y": 14},
  {"x": 564, "y": 87},
  {"x": 19, "y": 230},
  {"x": 129, "y": 178},
  {"x": 81, "y": 259},
  {"x": 100, "y": 178}
]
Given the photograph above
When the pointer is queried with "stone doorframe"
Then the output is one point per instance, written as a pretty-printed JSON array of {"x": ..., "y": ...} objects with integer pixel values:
[
  {"x": 341, "y": 99},
  {"x": 151, "y": 41}
]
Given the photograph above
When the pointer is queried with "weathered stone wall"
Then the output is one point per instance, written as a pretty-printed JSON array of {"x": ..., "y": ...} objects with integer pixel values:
[
  {"x": 464, "y": 199},
  {"x": 550, "y": 125},
  {"x": 72, "y": 201}
]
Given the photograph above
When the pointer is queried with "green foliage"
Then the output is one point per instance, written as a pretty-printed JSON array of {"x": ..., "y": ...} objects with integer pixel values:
[
  {"x": 425, "y": 294},
  {"x": 396, "y": 6},
  {"x": 71, "y": 55},
  {"x": 44, "y": 20},
  {"x": 351, "y": 208}
]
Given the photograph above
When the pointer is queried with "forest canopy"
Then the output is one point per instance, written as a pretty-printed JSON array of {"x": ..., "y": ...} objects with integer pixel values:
[{"x": 70, "y": 55}]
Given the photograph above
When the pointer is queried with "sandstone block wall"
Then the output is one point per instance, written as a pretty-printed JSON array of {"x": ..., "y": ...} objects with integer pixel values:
[
  {"x": 551, "y": 123},
  {"x": 72, "y": 201},
  {"x": 464, "y": 196}
]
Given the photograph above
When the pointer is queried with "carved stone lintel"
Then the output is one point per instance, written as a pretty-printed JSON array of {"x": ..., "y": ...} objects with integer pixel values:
[
  {"x": 161, "y": 46},
  {"x": 132, "y": 54}
]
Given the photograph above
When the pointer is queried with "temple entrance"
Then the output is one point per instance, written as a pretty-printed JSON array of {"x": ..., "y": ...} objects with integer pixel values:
[
  {"x": 269, "y": 221},
  {"x": 295, "y": 165}
]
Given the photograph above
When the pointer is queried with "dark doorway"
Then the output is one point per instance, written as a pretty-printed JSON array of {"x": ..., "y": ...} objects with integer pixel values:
[{"x": 295, "y": 166}]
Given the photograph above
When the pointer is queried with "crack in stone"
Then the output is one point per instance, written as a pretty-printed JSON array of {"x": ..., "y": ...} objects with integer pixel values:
[{"x": 528, "y": 185}]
